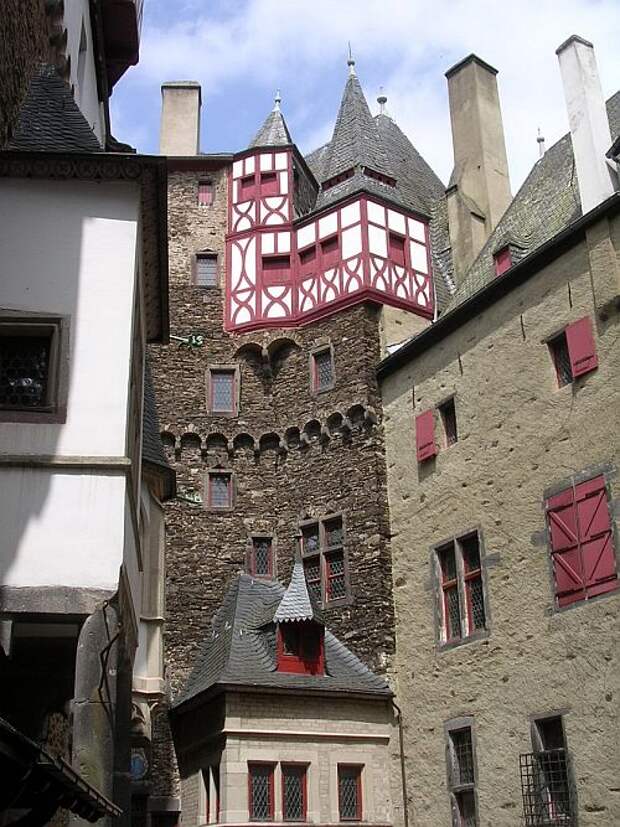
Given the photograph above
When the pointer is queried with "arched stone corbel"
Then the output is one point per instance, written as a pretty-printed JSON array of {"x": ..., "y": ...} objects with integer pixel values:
[
  {"x": 266, "y": 362},
  {"x": 325, "y": 436},
  {"x": 370, "y": 416}
]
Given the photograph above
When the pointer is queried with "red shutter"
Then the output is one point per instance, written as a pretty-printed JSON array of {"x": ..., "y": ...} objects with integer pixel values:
[
  {"x": 565, "y": 551},
  {"x": 581, "y": 347},
  {"x": 597, "y": 547},
  {"x": 425, "y": 436}
]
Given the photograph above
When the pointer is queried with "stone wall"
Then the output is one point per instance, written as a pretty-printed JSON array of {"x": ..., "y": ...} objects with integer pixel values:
[
  {"x": 23, "y": 44},
  {"x": 519, "y": 435}
]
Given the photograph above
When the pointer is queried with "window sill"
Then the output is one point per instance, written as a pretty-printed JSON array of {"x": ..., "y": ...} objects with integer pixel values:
[
  {"x": 476, "y": 637},
  {"x": 56, "y": 416}
]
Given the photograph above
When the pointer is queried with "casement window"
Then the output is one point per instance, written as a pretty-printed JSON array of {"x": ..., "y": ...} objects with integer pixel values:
[
  {"x": 247, "y": 188},
  {"x": 462, "y": 609},
  {"x": 33, "y": 362},
  {"x": 447, "y": 412},
  {"x": 330, "y": 252},
  {"x": 425, "y": 436},
  {"x": 350, "y": 792},
  {"x": 269, "y": 184},
  {"x": 322, "y": 366},
  {"x": 222, "y": 390},
  {"x": 324, "y": 558},
  {"x": 261, "y": 792},
  {"x": 261, "y": 557},
  {"x": 581, "y": 542},
  {"x": 546, "y": 776},
  {"x": 462, "y": 776},
  {"x": 300, "y": 648},
  {"x": 276, "y": 268},
  {"x": 502, "y": 260},
  {"x": 396, "y": 249},
  {"x": 219, "y": 489},
  {"x": 294, "y": 792},
  {"x": 206, "y": 193},
  {"x": 205, "y": 271},
  {"x": 573, "y": 351}
]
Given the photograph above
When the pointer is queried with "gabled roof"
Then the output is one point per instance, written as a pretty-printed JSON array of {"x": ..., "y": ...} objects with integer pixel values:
[
  {"x": 297, "y": 603},
  {"x": 241, "y": 651},
  {"x": 50, "y": 120},
  {"x": 274, "y": 131}
]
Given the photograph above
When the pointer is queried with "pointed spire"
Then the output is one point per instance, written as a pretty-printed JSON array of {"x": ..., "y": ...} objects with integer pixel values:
[
  {"x": 274, "y": 131},
  {"x": 297, "y": 603}
]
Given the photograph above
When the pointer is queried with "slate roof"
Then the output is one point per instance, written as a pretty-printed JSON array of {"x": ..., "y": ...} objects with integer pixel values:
[
  {"x": 274, "y": 131},
  {"x": 241, "y": 651},
  {"x": 297, "y": 603},
  {"x": 50, "y": 120},
  {"x": 547, "y": 202}
]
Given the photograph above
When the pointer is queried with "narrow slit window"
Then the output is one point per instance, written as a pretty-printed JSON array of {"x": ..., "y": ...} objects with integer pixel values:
[
  {"x": 462, "y": 776},
  {"x": 322, "y": 370},
  {"x": 206, "y": 270},
  {"x": 448, "y": 420}
]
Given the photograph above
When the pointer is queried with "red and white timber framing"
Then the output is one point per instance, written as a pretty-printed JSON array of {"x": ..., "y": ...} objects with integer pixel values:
[{"x": 281, "y": 272}]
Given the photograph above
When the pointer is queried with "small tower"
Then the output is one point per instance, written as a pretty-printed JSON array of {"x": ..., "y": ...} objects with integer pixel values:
[{"x": 300, "y": 629}]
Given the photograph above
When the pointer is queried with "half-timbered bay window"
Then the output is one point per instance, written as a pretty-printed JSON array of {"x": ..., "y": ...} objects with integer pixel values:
[
  {"x": 322, "y": 368},
  {"x": 294, "y": 792},
  {"x": 222, "y": 390},
  {"x": 461, "y": 601},
  {"x": 581, "y": 542},
  {"x": 325, "y": 564},
  {"x": 219, "y": 489},
  {"x": 261, "y": 792},
  {"x": 350, "y": 792},
  {"x": 573, "y": 351},
  {"x": 261, "y": 557},
  {"x": 546, "y": 777},
  {"x": 461, "y": 775}
]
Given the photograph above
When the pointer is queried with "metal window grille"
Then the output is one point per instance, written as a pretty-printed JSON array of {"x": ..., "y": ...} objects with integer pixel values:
[
  {"x": 206, "y": 271},
  {"x": 293, "y": 804},
  {"x": 548, "y": 799},
  {"x": 336, "y": 584},
  {"x": 476, "y": 615},
  {"x": 561, "y": 359},
  {"x": 219, "y": 490},
  {"x": 323, "y": 370},
  {"x": 312, "y": 569},
  {"x": 476, "y": 602},
  {"x": 463, "y": 766},
  {"x": 205, "y": 194},
  {"x": 24, "y": 371},
  {"x": 261, "y": 793},
  {"x": 222, "y": 391},
  {"x": 262, "y": 556},
  {"x": 465, "y": 809},
  {"x": 448, "y": 417},
  {"x": 450, "y": 588},
  {"x": 349, "y": 793}
]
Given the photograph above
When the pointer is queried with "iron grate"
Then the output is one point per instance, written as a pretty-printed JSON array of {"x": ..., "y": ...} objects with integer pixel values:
[
  {"x": 546, "y": 789},
  {"x": 293, "y": 780},
  {"x": 463, "y": 770},
  {"x": 24, "y": 369}
]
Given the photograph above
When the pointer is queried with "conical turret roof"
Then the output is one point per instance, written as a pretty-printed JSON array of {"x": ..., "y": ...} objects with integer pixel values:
[
  {"x": 297, "y": 603},
  {"x": 274, "y": 131}
]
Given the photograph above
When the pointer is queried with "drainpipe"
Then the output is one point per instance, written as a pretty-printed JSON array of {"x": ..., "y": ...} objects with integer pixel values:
[{"x": 403, "y": 774}]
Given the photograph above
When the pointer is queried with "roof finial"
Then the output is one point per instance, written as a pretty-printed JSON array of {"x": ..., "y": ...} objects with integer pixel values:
[
  {"x": 277, "y": 101},
  {"x": 381, "y": 100},
  {"x": 351, "y": 62},
  {"x": 541, "y": 143}
]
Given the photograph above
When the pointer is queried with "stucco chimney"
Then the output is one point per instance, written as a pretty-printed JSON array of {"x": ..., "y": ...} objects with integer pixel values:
[
  {"x": 180, "y": 118},
  {"x": 587, "y": 118},
  {"x": 479, "y": 190}
]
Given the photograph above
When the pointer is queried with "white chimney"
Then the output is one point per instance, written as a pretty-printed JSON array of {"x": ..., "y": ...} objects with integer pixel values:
[
  {"x": 587, "y": 117},
  {"x": 180, "y": 118}
]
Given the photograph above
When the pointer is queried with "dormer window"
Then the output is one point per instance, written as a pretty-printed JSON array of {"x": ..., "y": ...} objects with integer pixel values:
[
  {"x": 300, "y": 648},
  {"x": 503, "y": 260}
]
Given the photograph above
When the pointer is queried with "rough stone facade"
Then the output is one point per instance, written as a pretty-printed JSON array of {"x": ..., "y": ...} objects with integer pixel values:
[{"x": 520, "y": 437}]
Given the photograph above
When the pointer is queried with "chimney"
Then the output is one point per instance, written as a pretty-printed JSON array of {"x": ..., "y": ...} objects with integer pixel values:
[
  {"x": 180, "y": 118},
  {"x": 479, "y": 190},
  {"x": 587, "y": 118}
]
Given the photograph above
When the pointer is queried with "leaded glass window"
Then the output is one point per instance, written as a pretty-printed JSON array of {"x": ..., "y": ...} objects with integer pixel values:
[
  {"x": 25, "y": 371},
  {"x": 336, "y": 584},
  {"x": 262, "y": 557},
  {"x": 223, "y": 391},
  {"x": 462, "y": 611},
  {"x": 350, "y": 793},
  {"x": 206, "y": 270},
  {"x": 312, "y": 569},
  {"x": 220, "y": 490},
  {"x": 323, "y": 370},
  {"x": 463, "y": 757},
  {"x": 261, "y": 792},
  {"x": 322, "y": 546},
  {"x": 293, "y": 793}
]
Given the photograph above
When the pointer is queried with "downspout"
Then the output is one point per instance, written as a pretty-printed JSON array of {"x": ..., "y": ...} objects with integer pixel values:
[{"x": 403, "y": 773}]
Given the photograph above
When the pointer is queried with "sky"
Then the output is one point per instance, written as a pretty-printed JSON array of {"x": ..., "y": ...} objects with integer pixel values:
[{"x": 241, "y": 51}]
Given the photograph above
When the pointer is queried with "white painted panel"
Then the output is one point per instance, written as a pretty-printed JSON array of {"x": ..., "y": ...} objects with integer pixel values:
[
  {"x": 396, "y": 222},
  {"x": 350, "y": 214},
  {"x": 418, "y": 257},
  {"x": 235, "y": 266},
  {"x": 250, "y": 261},
  {"x": 416, "y": 230},
  {"x": 268, "y": 243},
  {"x": 400, "y": 291},
  {"x": 273, "y": 219},
  {"x": 250, "y": 165},
  {"x": 306, "y": 235},
  {"x": 283, "y": 182},
  {"x": 281, "y": 160},
  {"x": 276, "y": 292},
  {"x": 237, "y": 169},
  {"x": 377, "y": 242},
  {"x": 276, "y": 311},
  {"x": 352, "y": 241},
  {"x": 266, "y": 161},
  {"x": 243, "y": 223},
  {"x": 284, "y": 242},
  {"x": 376, "y": 213},
  {"x": 242, "y": 316},
  {"x": 328, "y": 225},
  {"x": 353, "y": 285}
]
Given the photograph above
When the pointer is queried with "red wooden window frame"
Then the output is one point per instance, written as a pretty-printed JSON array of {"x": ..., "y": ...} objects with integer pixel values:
[
  {"x": 269, "y": 572},
  {"x": 321, "y": 354},
  {"x": 247, "y": 187},
  {"x": 502, "y": 260},
  {"x": 396, "y": 249},
  {"x": 304, "y": 653},
  {"x": 347, "y": 770},
  {"x": 581, "y": 542},
  {"x": 472, "y": 574},
  {"x": 449, "y": 584},
  {"x": 269, "y": 184},
  {"x": 210, "y": 476},
  {"x": 581, "y": 347},
  {"x": 206, "y": 193},
  {"x": 276, "y": 268},
  {"x": 270, "y": 767},
  {"x": 330, "y": 252},
  {"x": 232, "y": 373},
  {"x": 301, "y": 770},
  {"x": 425, "y": 436}
]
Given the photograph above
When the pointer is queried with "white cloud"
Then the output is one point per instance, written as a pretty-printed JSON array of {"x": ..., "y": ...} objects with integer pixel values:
[{"x": 406, "y": 45}]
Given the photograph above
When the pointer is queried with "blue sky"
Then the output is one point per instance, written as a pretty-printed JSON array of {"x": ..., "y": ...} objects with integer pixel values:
[{"x": 242, "y": 50}]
